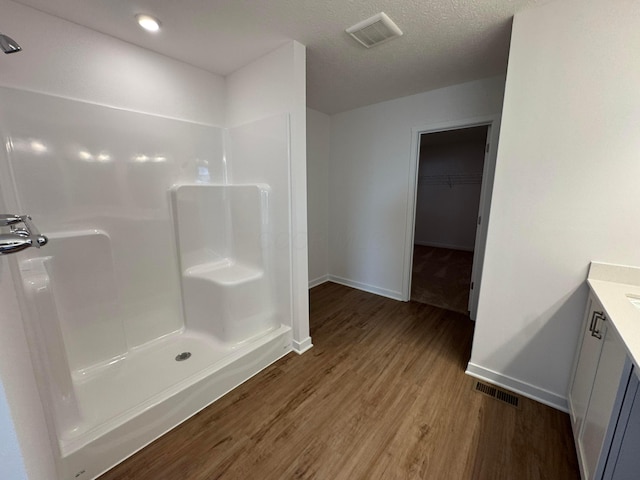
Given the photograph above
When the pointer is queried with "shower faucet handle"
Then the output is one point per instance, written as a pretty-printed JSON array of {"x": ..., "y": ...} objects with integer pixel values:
[
  {"x": 6, "y": 219},
  {"x": 13, "y": 243},
  {"x": 19, "y": 238}
]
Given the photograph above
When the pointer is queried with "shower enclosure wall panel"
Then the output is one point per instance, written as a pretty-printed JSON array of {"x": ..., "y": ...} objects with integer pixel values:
[
  {"x": 81, "y": 266},
  {"x": 72, "y": 293},
  {"x": 102, "y": 303},
  {"x": 259, "y": 154},
  {"x": 78, "y": 166}
]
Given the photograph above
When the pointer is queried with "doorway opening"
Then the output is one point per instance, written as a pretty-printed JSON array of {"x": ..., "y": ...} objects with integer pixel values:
[
  {"x": 453, "y": 179},
  {"x": 447, "y": 202}
]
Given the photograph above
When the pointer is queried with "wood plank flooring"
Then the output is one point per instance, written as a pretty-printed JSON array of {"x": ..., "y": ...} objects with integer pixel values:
[
  {"x": 441, "y": 277},
  {"x": 381, "y": 395}
]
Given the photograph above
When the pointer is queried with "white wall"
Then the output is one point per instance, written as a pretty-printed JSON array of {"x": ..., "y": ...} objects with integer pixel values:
[
  {"x": 566, "y": 187},
  {"x": 369, "y": 190},
  {"x": 318, "y": 153},
  {"x": 65, "y": 59},
  {"x": 264, "y": 87},
  {"x": 272, "y": 85},
  {"x": 446, "y": 215}
]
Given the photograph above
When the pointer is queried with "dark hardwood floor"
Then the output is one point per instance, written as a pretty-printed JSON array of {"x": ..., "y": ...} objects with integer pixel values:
[
  {"x": 441, "y": 277},
  {"x": 381, "y": 395}
]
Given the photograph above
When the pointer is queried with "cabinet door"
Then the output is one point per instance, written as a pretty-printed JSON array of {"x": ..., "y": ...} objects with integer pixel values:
[
  {"x": 597, "y": 419},
  {"x": 587, "y": 364},
  {"x": 624, "y": 460}
]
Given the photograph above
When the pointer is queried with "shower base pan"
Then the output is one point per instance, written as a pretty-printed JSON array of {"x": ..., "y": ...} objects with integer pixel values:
[{"x": 128, "y": 404}]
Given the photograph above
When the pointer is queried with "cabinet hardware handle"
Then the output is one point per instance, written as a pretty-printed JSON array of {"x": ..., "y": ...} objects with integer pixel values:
[
  {"x": 593, "y": 320},
  {"x": 594, "y": 324}
]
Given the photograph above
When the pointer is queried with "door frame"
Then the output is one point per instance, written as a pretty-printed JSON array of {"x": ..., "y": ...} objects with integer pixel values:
[{"x": 488, "y": 173}]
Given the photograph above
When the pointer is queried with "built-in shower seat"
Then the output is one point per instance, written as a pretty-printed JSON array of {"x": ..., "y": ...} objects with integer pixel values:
[
  {"x": 221, "y": 233},
  {"x": 225, "y": 273}
]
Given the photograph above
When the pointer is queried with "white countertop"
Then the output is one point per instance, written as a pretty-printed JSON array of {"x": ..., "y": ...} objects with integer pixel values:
[{"x": 613, "y": 285}]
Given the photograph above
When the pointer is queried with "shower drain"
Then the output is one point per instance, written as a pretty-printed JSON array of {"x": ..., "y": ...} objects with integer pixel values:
[{"x": 182, "y": 356}]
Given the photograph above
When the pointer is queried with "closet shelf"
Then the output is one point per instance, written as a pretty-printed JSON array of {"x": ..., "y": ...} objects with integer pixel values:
[{"x": 451, "y": 180}]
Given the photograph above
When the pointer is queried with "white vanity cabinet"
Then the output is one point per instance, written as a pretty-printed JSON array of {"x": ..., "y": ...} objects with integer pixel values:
[
  {"x": 624, "y": 460},
  {"x": 600, "y": 379}
]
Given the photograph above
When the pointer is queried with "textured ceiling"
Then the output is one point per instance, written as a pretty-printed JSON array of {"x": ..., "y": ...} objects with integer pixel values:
[{"x": 445, "y": 41}]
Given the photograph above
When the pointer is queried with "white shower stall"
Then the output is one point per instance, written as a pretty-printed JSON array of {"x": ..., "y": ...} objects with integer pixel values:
[
  {"x": 168, "y": 276},
  {"x": 174, "y": 201}
]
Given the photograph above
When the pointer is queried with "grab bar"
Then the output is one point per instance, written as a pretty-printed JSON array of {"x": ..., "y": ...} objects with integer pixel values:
[{"x": 19, "y": 238}]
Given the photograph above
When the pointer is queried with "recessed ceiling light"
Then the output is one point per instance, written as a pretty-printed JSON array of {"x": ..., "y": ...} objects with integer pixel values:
[{"x": 148, "y": 22}]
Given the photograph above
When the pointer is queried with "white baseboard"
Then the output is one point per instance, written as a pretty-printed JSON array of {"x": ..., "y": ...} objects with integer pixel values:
[
  {"x": 367, "y": 288},
  {"x": 301, "y": 347},
  {"x": 526, "y": 389},
  {"x": 443, "y": 245},
  {"x": 318, "y": 281}
]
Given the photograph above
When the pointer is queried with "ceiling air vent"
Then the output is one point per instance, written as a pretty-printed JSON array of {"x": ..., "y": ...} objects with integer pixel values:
[{"x": 374, "y": 30}]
